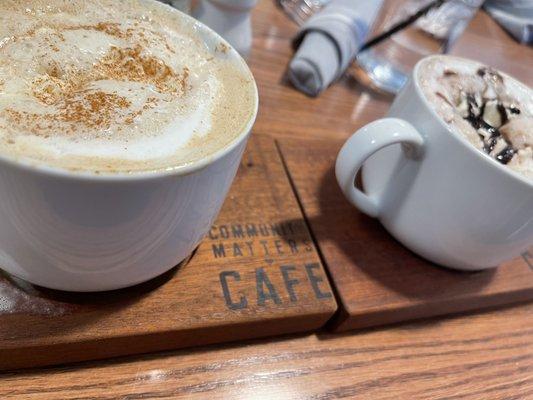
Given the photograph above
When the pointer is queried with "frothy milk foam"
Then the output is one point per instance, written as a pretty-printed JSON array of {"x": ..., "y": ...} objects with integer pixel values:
[{"x": 115, "y": 85}]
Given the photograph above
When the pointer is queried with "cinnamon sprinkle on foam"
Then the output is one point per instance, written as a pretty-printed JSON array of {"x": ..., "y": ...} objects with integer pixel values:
[
  {"x": 74, "y": 102},
  {"x": 115, "y": 86}
]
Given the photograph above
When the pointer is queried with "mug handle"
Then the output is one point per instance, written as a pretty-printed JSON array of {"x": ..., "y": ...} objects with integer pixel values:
[{"x": 365, "y": 142}]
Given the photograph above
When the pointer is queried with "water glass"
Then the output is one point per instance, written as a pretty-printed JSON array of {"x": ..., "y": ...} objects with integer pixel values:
[{"x": 387, "y": 65}]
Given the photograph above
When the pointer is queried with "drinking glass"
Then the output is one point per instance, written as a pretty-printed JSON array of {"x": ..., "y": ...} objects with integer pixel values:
[{"x": 387, "y": 64}]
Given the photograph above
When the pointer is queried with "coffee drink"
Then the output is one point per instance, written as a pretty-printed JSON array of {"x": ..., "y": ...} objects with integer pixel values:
[
  {"x": 491, "y": 110},
  {"x": 115, "y": 86},
  {"x": 448, "y": 170}
]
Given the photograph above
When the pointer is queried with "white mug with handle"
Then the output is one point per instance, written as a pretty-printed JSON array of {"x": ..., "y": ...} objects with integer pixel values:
[{"x": 432, "y": 190}]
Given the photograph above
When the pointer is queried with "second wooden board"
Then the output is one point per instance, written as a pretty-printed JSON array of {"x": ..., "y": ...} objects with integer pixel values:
[{"x": 378, "y": 280}]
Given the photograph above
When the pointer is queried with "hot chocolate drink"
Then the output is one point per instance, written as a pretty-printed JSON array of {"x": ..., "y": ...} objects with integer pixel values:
[
  {"x": 491, "y": 110},
  {"x": 115, "y": 86}
]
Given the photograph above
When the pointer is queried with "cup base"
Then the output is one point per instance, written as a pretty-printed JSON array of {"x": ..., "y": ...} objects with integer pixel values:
[{"x": 60, "y": 291}]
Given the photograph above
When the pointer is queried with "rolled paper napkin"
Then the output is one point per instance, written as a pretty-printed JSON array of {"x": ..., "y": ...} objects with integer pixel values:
[
  {"x": 328, "y": 42},
  {"x": 515, "y": 16}
]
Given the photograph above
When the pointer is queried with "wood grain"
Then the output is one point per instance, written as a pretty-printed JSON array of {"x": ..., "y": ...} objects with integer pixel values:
[
  {"x": 256, "y": 274},
  {"x": 485, "y": 356},
  {"x": 379, "y": 281},
  {"x": 481, "y": 357}
]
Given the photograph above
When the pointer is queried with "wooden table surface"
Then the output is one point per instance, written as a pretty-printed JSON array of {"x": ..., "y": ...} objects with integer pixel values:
[{"x": 481, "y": 356}]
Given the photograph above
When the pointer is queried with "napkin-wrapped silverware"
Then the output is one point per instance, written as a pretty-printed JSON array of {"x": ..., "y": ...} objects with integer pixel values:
[{"x": 328, "y": 42}]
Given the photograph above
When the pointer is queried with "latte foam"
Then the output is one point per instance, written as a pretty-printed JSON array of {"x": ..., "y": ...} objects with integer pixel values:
[{"x": 116, "y": 86}]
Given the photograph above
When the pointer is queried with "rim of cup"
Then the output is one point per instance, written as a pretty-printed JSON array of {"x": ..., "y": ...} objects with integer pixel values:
[{"x": 211, "y": 39}]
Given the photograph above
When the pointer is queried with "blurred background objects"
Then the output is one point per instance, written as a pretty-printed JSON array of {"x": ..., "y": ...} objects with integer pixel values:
[
  {"x": 515, "y": 16},
  {"x": 230, "y": 19},
  {"x": 385, "y": 38},
  {"x": 182, "y": 5},
  {"x": 426, "y": 27},
  {"x": 301, "y": 10},
  {"x": 328, "y": 42}
]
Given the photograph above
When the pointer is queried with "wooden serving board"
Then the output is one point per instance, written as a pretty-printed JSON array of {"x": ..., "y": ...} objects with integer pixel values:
[
  {"x": 377, "y": 280},
  {"x": 256, "y": 274}
]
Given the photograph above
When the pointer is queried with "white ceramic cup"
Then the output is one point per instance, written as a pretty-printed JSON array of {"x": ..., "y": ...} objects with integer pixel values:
[
  {"x": 86, "y": 232},
  {"x": 432, "y": 190}
]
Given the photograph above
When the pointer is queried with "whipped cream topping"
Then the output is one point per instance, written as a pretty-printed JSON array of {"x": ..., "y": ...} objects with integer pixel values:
[
  {"x": 114, "y": 86},
  {"x": 492, "y": 111}
]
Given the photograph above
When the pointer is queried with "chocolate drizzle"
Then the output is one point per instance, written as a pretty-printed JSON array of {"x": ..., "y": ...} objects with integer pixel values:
[
  {"x": 490, "y": 135},
  {"x": 514, "y": 110},
  {"x": 503, "y": 113},
  {"x": 506, "y": 154}
]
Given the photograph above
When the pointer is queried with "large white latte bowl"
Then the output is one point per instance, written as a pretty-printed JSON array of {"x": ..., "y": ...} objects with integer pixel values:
[{"x": 85, "y": 232}]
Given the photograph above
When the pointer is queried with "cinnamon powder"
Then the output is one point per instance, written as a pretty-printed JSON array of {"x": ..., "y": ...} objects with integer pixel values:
[{"x": 74, "y": 102}]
